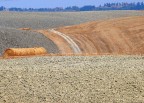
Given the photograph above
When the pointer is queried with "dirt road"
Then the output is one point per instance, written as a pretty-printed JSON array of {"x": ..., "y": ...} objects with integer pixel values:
[
  {"x": 72, "y": 44},
  {"x": 61, "y": 43}
]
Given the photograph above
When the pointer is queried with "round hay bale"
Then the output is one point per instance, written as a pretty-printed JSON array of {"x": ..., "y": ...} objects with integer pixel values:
[
  {"x": 25, "y": 28},
  {"x": 24, "y": 51}
]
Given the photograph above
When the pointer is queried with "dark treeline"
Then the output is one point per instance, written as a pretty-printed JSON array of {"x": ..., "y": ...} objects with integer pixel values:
[{"x": 106, "y": 6}]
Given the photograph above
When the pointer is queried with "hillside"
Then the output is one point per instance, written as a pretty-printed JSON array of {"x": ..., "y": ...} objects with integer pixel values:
[
  {"x": 38, "y": 20},
  {"x": 115, "y": 36},
  {"x": 12, "y": 38}
]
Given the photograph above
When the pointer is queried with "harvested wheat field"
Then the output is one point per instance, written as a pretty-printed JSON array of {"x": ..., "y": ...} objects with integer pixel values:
[
  {"x": 72, "y": 79},
  {"x": 17, "y": 28},
  {"x": 114, "y": 36}
]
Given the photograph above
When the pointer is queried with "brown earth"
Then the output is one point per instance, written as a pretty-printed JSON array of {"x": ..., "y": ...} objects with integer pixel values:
[
  {"x": 116, "y": 36},
  {"x": 59, "y": 41}
]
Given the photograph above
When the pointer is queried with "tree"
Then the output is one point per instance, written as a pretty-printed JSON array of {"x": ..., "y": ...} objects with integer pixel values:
[
  {"x": 87, "y": 8},
  {"x": 2, "y": 8}
]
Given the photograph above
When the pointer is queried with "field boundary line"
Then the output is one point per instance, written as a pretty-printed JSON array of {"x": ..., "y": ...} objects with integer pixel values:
[{"x": 73, "y": 45}]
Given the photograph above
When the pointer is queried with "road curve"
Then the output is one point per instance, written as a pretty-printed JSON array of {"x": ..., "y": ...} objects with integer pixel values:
[{"x": 73, "y": 45}]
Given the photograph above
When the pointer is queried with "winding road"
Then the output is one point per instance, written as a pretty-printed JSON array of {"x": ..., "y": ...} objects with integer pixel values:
[{"x": 73, "y": 45}]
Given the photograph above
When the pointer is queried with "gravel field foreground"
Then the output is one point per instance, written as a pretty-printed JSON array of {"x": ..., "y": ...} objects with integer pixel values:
[{"x": 77, "y": 79}]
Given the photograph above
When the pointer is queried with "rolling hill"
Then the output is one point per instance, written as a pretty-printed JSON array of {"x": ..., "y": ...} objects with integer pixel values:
[
  {"x": 11, "y": 36},
  {"x": 115, "y": 36},
  {"x": 38, "y": 20}
]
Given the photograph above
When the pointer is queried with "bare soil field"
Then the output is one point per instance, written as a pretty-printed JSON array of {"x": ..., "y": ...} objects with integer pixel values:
[
  {"x": 77, "y": 79},
  {"x": 115, "y": 36},
  {"x": 57, "y": 19}
]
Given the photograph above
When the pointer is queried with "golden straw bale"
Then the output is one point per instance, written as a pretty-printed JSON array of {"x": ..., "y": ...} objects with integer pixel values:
[
  {"x": 25, "y": 28},
  {"x": 24, "y": 51}
]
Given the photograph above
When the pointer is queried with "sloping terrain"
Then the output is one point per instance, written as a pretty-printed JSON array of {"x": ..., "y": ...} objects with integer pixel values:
[
  {"x": 115, "y": 36},
  {"x": 92, "y": 79},
  {"x": 57, "y": 19},
  {"x": 11, "y": 21},
  {"x": 12, "y": 38}
]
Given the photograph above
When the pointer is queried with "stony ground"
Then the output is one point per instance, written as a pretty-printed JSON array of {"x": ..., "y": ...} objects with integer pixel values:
[{"x": 79, "y": 79}]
